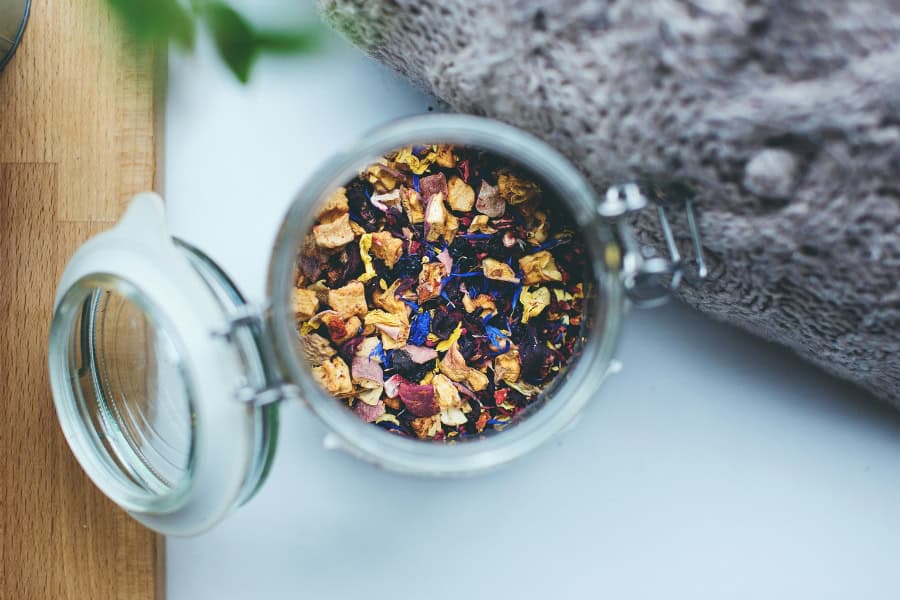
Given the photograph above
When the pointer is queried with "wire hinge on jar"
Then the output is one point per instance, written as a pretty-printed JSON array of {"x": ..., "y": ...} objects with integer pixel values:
[
  {"x": 650, "y": 280},
  {"x": 270, "y": 387}
]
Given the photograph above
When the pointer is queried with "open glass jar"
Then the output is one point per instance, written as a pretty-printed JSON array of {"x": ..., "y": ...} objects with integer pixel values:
[{"x": 167, "y": 382}]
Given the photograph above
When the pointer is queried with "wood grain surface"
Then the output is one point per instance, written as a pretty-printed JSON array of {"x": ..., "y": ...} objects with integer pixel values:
[{"x": 78, "y": 137}]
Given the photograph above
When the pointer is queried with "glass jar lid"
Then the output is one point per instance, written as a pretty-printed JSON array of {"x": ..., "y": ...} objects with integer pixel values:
[{"x": 144, "y": 393}]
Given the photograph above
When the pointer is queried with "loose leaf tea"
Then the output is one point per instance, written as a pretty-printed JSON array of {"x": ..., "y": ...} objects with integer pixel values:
[{"x": 439, "y": 292}]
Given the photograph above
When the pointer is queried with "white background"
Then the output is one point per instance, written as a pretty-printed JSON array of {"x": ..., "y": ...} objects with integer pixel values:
[{"x": 714, "y": 466}]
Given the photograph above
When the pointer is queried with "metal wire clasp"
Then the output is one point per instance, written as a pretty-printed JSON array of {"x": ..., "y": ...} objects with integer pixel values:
[{"x": 649, "y": 280}]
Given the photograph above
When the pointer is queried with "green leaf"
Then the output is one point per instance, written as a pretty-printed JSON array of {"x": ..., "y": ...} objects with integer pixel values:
[
  {"x": 156, "y": 21},
  {"x": 234, "y": 37},
  {"x": 290, "y": 41}
]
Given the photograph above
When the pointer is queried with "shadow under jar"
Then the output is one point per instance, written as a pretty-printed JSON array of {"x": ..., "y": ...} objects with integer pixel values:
[{"x": 167, "y": 382}]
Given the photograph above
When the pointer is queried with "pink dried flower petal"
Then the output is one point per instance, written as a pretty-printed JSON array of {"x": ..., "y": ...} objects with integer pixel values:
[
  {"x": 392, "y": 385},
  {"x": 489, "y": 201},
  {"x": 445, "y": 259},
  {"x": 418, "y": 399},
  {"x": 364, "y": 367},
  {"x": 420, "y": 354},
  {"x": 369, "y": 413}
]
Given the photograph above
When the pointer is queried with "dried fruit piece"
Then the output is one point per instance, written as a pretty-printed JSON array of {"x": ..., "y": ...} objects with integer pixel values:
[
  {"x": 539, "y": 267},
  {"x": 430, "y": 281},
  {"x": 315, "y": 348},
  {"x": 334, "y": 206},
  {"x": 387, "y": 248},
  {"x": 426, "y": 427},
  {"x": 432, "y": 185},
  {"x": 349, "y": 300},
  {"x": 539, "y": 230},
  {"x": 305, "y": 303},
  {"x": 411, "y": 202},
  {"x": 460, "y": 195},
  {"x": 334, "y": 376},
  {"x": 499, "y": 271},
  {"x": 445, "y": 157},
  {"x": 477, "y": 380},
  {"x": 334, "y": 234}
]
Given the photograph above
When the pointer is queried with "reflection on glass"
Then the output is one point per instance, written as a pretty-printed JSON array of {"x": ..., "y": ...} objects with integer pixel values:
[{"x": 127, "y": 377}]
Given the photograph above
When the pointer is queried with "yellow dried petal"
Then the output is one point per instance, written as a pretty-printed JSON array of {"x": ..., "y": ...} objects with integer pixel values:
[
  {"x": 388, "y": 299},
  {"x": 562, "y": 295},
  {"x": 539, "y": 230},
  {"x": 448, "y": 399},
  {"x": 534, "y": 301},
  {"x": 453, "y": 365},
  {"x": 444, "y": 345},
  {"x": 516, "y": 190},
  {"x": 445, "y": 157},
  {"x": 388, "y": 418},
  {"x": 481, "y": 301},
  {"x": 365, "y": 244},
  {"x": 416, "y": 165}
]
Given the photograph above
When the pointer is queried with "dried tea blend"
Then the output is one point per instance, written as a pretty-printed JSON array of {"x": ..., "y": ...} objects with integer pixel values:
[{"x": 439, "y": 292}]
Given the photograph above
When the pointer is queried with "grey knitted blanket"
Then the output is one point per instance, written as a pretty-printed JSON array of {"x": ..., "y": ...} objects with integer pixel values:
[{"x": 782, "y": 117}]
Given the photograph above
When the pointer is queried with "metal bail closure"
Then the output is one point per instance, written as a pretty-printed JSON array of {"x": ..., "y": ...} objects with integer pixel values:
[
  {"x": 249, "y": 320},
  {"x": 650, "y": 280}
]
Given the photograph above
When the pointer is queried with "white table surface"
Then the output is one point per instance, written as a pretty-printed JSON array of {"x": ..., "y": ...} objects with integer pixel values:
[{"x": 713, "y": 466}]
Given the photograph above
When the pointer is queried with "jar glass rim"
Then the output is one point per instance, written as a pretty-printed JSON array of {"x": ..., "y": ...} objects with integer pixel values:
[{"x": 583, "y": 378}]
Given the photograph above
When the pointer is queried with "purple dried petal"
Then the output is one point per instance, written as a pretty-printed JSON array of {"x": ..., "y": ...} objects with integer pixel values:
[
  {"x": 369, "y": 413},
  {"x": 419, "y": 400},
  {"x": 347, "y": 350}
]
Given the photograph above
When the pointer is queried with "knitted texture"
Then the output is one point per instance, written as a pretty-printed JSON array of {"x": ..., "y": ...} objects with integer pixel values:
[{"x": 782, "y": 118}]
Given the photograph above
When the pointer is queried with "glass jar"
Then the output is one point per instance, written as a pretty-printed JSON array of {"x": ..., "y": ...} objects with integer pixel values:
[
  {"x": 13, "y": 16},
  {"x": 167, "y": 382}
]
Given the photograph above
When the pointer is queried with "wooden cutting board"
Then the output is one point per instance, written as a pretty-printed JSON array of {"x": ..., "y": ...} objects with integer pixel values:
[{"x": 78, "y": 137}]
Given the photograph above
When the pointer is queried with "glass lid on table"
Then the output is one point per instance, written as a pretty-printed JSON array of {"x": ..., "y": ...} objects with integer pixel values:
[{"x": 440, "y": 294}]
